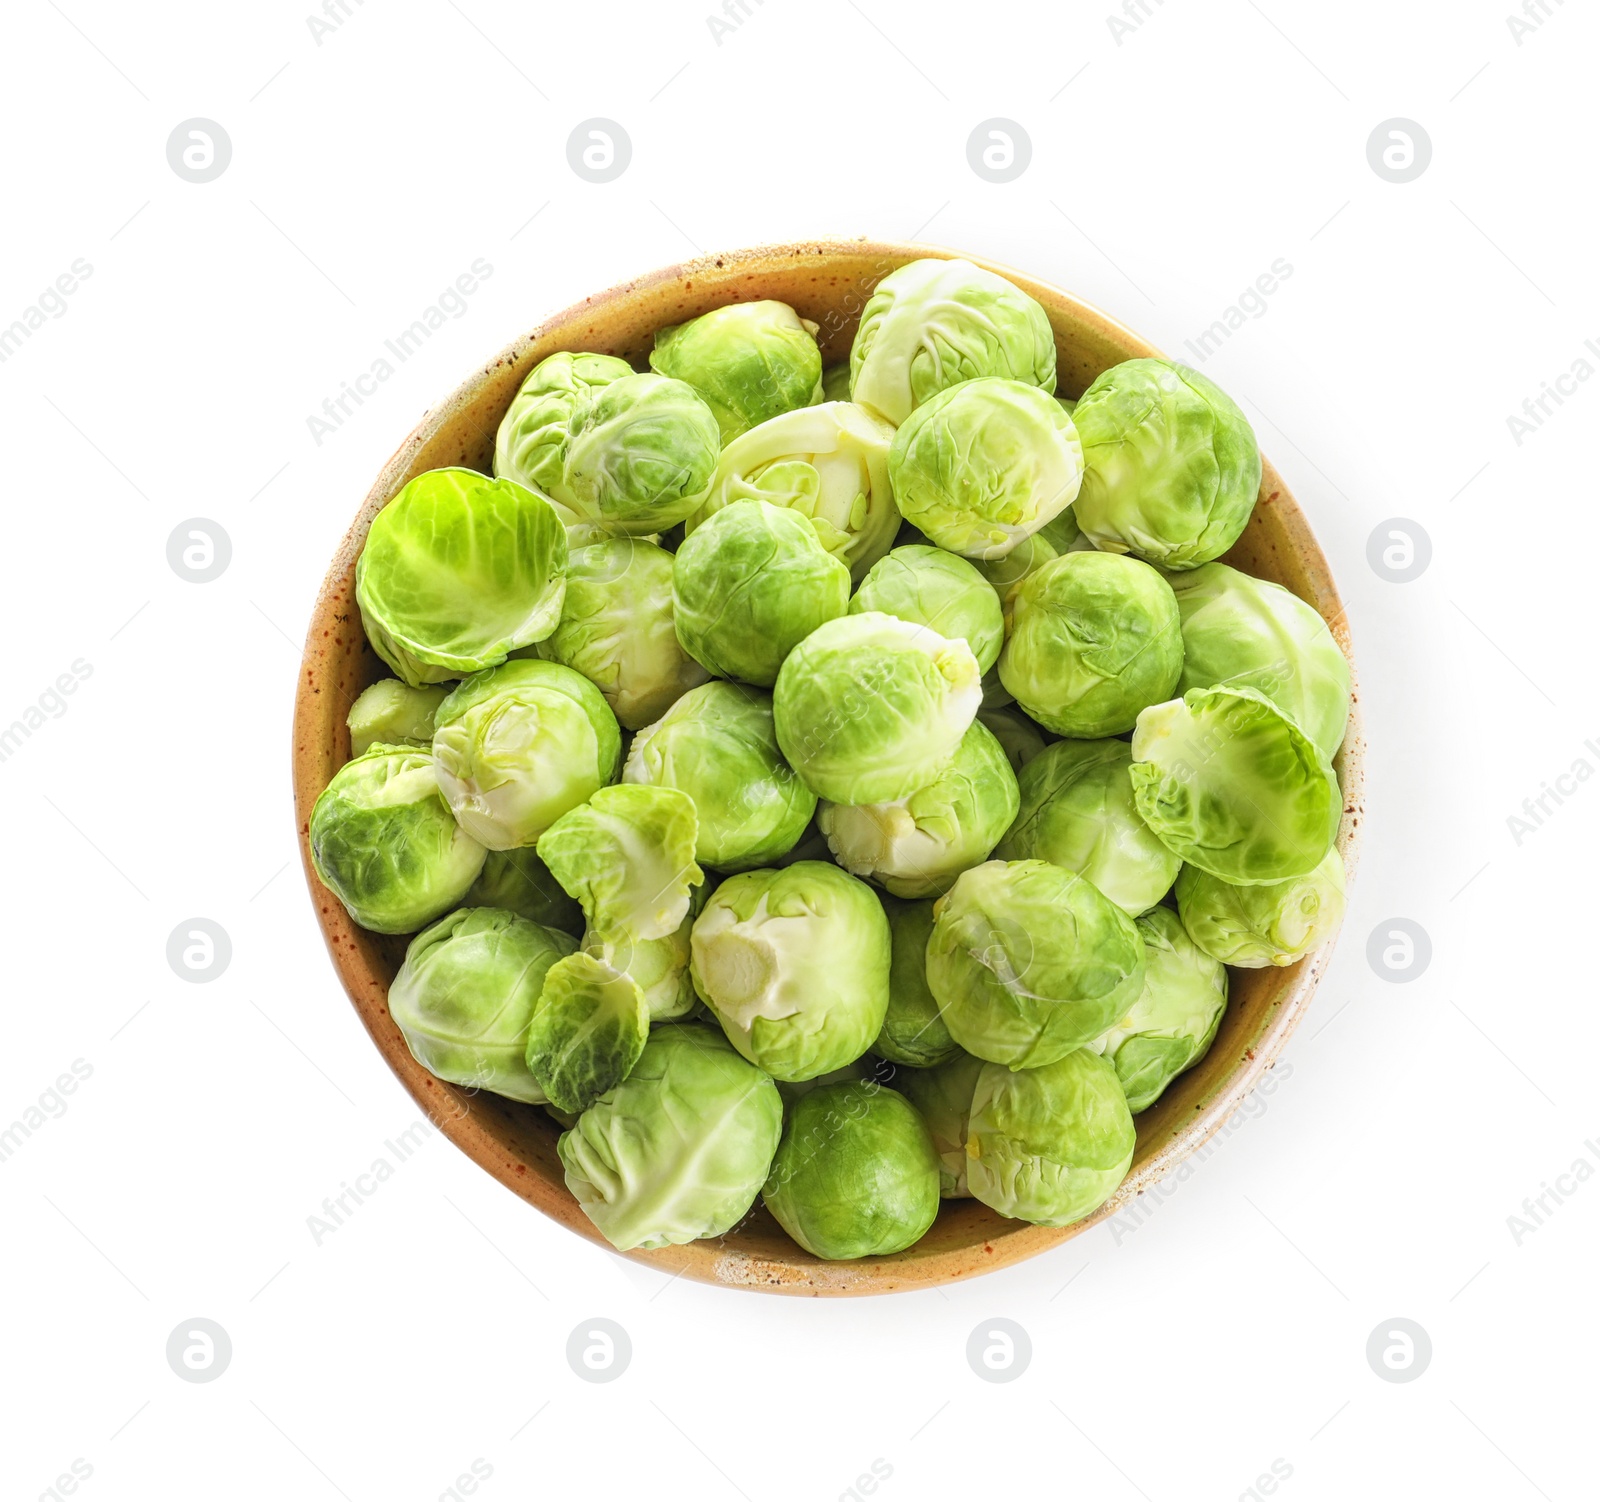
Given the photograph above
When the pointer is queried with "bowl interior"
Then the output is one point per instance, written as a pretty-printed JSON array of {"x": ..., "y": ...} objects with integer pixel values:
[{"x": 827, "y": 282}]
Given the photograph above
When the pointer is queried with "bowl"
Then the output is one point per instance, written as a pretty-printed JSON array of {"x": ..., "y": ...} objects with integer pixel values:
[{"x": 827, "y": 281}]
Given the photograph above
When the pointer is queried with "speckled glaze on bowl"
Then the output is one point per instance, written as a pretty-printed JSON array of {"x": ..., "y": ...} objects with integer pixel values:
[{"x": 829, "y": 282}]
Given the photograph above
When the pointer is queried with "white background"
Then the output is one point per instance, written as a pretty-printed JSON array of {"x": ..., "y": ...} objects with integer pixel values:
[{"x": 1176, "y": 1359}]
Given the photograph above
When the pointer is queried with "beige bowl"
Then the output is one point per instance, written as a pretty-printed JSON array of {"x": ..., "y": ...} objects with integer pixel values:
[{"x": 829, "y": 282}]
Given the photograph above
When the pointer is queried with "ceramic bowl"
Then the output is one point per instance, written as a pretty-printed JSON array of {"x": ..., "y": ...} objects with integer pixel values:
[{"x": 828, "y": 282}]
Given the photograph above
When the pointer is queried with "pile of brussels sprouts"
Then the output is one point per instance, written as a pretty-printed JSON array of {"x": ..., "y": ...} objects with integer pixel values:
[{"x": 757, "y": 728}]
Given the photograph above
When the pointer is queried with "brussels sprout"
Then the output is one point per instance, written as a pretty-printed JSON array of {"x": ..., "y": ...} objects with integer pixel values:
[
  {"x": 394, "y": 713},
  {"x": 718, "y": 745},
  {"x": 982, "y": 465},
  {"x": 1049, "y": 1145},
  {"x": 1170, "y": 1027},
  {"x": 1078, "y": 812},
  {"x": 587, "y": 1032},
  {"x": 659, "y": 966},
  {"x": 749, "y": 585},
  {"x": 1029, "y": 962},
  {"x": 1170, "y": 465},
  {"x": 1251, "y": 634},
  {"x": 750, "y": 361},
  {"x": 917, "y": 846},
  {"x": 1229, "y": 783},
  {"x": 870, "y": 708},
  {"x": 855, "y": 1174},
  {"x": 1022, "y": 562},
  {"x": 1275, "y": 924},
  {"x": 616, "y": 629},
  {"x": 641, "y": 454},
  {"x": 520, "y": 882},
  {"x": 836, "y": 382},
  {"x": 913, "y": 1032},
  {"x": 458, "y": 571},
  {"x": 465, "y": 994},
  {"x": 627, "y": 855},
  {"x": 829, "y": 463},
  {"x": 1018, "y": 736},
  {"x": 384, "y": 843},
  {"x": 943, "y": 1096},
  {"x": 680, "y": 1149},
  {"x": 930, "y": 587},
  {"x": 531, "y": 445},
  {"x": 934, "y": 323},
  {"x": 517, "y": 746},
  {"x": 1093, "y": 640},
  {"x": 795, "y": 964}
]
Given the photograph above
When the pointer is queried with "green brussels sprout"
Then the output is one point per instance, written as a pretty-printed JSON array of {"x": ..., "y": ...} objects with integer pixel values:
[
  {"x": 718, "y": 745},
  {"x": 934, "y": 323},
  {"x": 1049, "y": 1145},
  {"x": 1022, "y": 562},
  {"x": 641, "y": 455},
  {"x": 749, "y": 585},
  {"x": 917, "y": 846},
  {"x": 1274, "y": 924},
  {"x": 750, "y": 361},
  {"x": 457, "y": 572},
  {"x": 795, "y": 965},
  {"x": 1249, "y": 633},
  {"x": 466, "y": 992},
  {"x": 913, "y": 1032},
  {"x": 930, "y": 587},
  {"x": 587, "y": 1032},
  {"x": 829, "y": 463},
  {"x": 1078, "y": 812},
  {"x": 517, "y": 746},
  {"x": 659, "y": 966},
  {"x": 943, "y": 1096},
  {"x": 1231, "y": 784},
  {"x": 1018, "y": 736},
  {"x": 520, "y": 882},
  {"x": 870, "y": 708},
  {"x": 1093, "y": 640},
  {"x": 982, "y": 465},
  {"x": 680, "y": 1149},
  {"x": 627, "y": 855},
  {"x": 836, "y": 382},
  {"x": 616, "y": 629},
  {"x": 1062, "y": 531},
  {"x": 393, "y": 713},
  {"x": 1028, "y": 962},
  {"x": 1170, "y": 464},
  {"x": 1170, "y": 1027},
  {"x": 531, "y": 444},
  {"x": 855, "y": 1173},
  {"x": 384, "y": 843}
]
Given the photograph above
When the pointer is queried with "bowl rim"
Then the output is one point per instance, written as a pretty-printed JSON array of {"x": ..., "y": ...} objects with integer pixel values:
[{"x": 720, "y": 1260}]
